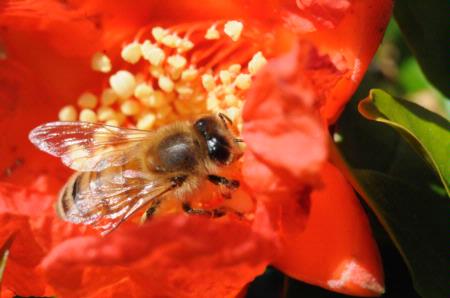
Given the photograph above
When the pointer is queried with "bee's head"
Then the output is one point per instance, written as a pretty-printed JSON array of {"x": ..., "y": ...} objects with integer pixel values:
[{"x": 222, "y": 146}]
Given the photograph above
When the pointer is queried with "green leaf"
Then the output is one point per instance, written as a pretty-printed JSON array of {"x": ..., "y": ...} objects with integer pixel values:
[
  {"x": 426, "y": 27},
  {"x": 418, "y": 222},
  {"x": 427, "y": 132}
]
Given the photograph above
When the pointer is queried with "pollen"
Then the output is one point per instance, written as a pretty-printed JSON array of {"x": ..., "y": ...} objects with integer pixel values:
[
  {"x": 152, "y": 53},
  {"x": 130, "y": 107},
  {"x": 146, "y": 122},
  {"x": 106, "y": 113},
  {"x": 225, "y": 77},
  {"x": 256, "y": 63},
  {"x": 208, "y": 82},
  {"x": 158, "y": 33},
  {"x": 123, "y": 83},
  {"x": 108, "y": 97},
  {"x": 88, "y": 115},
  {"x": 87, "y": 100},
  {"x": 233, "y": 29},
  {"x": 100, "y": 62},
  {"x": 166, "y": 84},
  {"x": 212, "y": 33},
  {"x": 189, "y": 74},
  {"x": 143, "y": 90},
  {"x": 68, "y": 113},
  {"x": 243, "y": 81},
  {"x": 131, "y": 53},
  {"x": 172, "y": 74},
  {"x": 177, "y": 61}
]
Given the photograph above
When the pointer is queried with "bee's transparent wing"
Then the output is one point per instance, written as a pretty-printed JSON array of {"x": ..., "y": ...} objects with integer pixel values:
[
  {"x": 85, "y": 146},
  {"x": 108, "y": 199}
]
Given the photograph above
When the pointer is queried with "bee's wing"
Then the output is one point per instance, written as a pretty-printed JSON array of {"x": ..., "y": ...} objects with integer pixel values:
[
  {"x": 107, "y": 204},
  {"x": 85, "y": 146}
]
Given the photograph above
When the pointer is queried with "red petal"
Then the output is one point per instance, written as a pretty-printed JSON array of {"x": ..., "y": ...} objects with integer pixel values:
[
  {"x": 353, "y": 42},
  {"x": 336, "y": 250},
  {"x": 173, "y": 256},
  {"x": 282, "y": 128}
]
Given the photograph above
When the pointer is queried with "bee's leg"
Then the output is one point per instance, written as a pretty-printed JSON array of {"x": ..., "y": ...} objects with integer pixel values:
[
  {"x": 228, "y": 184},
  {"x": 175, "y": 182},
  {"x": 217, "y": 212},
  {"x": 151, "y": 210}
]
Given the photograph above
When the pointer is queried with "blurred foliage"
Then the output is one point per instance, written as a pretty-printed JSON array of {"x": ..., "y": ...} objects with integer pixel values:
[{"x": 426, "y": 27}]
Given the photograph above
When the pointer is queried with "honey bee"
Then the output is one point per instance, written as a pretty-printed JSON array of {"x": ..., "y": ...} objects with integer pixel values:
[{"x": 121, "y": 171}]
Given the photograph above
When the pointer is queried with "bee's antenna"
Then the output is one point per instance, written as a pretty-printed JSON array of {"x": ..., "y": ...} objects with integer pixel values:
[{"x": 239, "y": 140}]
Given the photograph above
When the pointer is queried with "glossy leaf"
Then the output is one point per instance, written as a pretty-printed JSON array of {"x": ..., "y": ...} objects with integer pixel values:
[
  {"x": 426, "y": 26},
  {"x": 418, "y": 221},
  {"x": 427, "y": 132}
]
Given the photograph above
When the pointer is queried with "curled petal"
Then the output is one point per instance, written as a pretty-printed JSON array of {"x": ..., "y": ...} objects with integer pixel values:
[
  {"x": 282, "y": 127},
  {"x": 336, "y": 249},
  {"x": 173, "y": 256}
]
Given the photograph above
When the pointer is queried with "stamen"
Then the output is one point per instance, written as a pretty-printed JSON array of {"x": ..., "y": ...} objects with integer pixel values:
[
  {"x": 177, "y": 73},
  {"x": 87, "y": 100},
  {"x": 212, "y": 33},
  {"x": 100, "y": 62},
  {"x": 108, "y": 97},
  {"x": 233, "y": 29},
  {"x": 131, "y": 53},
  {"x": 130, "y": 107},
  {"x": 68, "y": 113},
  {"x": 257, "y": 62},
  {"x": 123, "y": 83},
  {"x": 88, "y": 115},
  {"x": 152, "y": 53}
]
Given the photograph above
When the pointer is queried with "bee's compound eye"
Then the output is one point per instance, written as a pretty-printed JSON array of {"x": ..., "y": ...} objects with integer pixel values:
[{"x": 218, "y": 149}]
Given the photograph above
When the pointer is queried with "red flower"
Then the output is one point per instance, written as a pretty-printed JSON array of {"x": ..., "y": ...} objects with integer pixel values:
[{"x": 307, "y": 220}]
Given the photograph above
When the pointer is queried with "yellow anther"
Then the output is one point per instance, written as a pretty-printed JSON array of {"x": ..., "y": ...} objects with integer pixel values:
[
  {"x": 171, "y": 41},
  {"x": 185, "y": 45},
  {"x": 212, "y": 33},
  {"x": 112, "y": 122},
  {"x": 130, "y": 107},
  {"x": 143, "y": 90},
  {"x": 256, "y": 63},
  {"x": 100, "y": 62},
  {"x": 225, "y": 77},
  {"x": 156, "y": 100},
  {"x": 212, "y": 103},
  {"x": 233, "y": 113},
  {"x": 68, "y": 113},
  {"x": 243, "y": 81},
  {"x": 156, "y": 71},
  {"x": 88, "y": 115},
  {"x": 87, "y": 100},
  {"x": 108, "y": 97},
  {"x": 166, "y": 84},
  {"x": 234, "y": 68},
  {"x": 185, "y": 91},
  {"x": 158, "y": 33},
  {"x": 146, "y": 122},
  {"x": 230, "y": 100},
  {"x": 123, "y": 83},
  {"x": 106, "y": 113},
  {"x": 174, "y": 73},
  {"x": 208, "y": 82},
  {"x": 233, "y": 29},
  {"x": 177, "y": 61},
  {"x": 131, "y": 53},
  {"x": 189, "y": 74},
  {"x": 152, "y": 53}
]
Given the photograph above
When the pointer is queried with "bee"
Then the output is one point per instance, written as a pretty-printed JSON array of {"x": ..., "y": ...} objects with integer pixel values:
[{"x": 121, "y": 171}]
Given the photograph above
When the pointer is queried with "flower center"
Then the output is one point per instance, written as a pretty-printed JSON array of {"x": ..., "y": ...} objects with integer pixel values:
[{"x": 173, "y": 74}]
